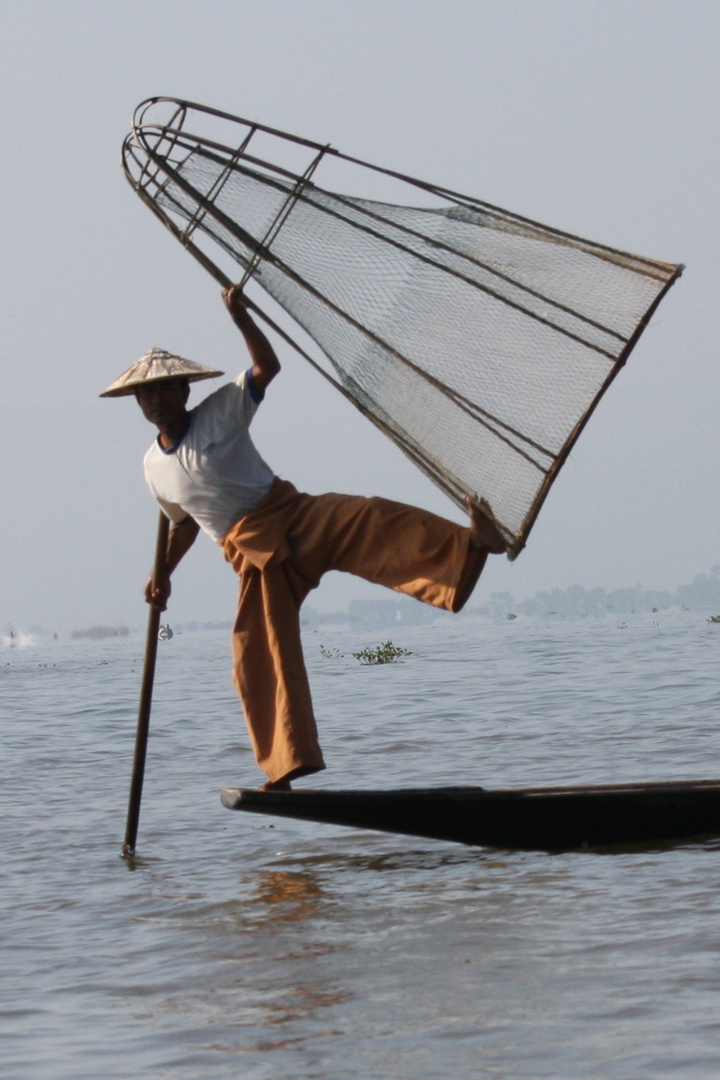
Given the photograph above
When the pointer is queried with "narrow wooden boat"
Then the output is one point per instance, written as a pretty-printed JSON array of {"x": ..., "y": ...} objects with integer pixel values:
[{"x": 539, "y": 819}]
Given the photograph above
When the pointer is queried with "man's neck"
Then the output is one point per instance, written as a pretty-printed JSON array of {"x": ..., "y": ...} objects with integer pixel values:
[{"x": 171, "y": 434}]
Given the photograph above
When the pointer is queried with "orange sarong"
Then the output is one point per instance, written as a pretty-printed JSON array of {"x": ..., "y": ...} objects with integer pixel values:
[{"x": 281, "y": 550}]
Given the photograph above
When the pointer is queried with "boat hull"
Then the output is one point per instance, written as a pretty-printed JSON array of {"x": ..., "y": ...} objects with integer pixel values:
[{"x": 540, "y": 818}]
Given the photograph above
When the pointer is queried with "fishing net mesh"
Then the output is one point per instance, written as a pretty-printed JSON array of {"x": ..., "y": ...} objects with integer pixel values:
[{"x": 478, "y": 341}]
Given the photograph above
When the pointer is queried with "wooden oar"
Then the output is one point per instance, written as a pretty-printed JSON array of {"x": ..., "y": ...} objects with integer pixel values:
[{"x": 143, "y": 725}]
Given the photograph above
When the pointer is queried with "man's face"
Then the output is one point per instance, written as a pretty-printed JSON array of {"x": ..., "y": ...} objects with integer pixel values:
[{"x": 163, "y": 402}]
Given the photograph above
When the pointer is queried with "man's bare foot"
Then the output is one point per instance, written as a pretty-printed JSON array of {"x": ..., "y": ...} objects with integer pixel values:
[
  {"x": 276, "y": 785},
  {"x": 484, "y": 534}
]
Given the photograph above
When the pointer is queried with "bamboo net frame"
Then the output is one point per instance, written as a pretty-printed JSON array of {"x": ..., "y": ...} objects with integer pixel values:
[{"x": 479, "y": 341}]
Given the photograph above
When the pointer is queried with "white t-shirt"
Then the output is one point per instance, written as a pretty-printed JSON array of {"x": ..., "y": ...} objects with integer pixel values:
[{"x": 214, "y": 473}]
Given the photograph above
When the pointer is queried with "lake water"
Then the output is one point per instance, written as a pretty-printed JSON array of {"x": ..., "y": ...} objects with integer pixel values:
[{"x": 238, "y": 946}]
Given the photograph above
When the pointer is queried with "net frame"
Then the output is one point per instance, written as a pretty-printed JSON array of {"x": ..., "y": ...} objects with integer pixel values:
[{"x": 161, "y": 142}]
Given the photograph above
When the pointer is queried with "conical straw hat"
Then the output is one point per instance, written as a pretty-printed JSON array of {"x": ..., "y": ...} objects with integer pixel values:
[{"x": 154, "y": 367}]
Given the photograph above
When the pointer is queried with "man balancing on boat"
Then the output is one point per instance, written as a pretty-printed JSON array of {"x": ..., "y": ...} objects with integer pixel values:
[{"x": 205, "y": 472}]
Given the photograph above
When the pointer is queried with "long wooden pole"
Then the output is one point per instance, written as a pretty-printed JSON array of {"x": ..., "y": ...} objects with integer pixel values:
[{"x": 143, "y": 724}]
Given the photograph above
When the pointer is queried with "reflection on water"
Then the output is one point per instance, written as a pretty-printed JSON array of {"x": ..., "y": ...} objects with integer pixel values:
[
  {"x": 299, "y": 894},
  {"x": 235, "y": 947}
]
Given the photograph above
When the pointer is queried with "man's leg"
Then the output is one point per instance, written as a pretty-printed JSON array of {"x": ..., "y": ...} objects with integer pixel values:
[
  {"x": 391, "y": 544},
  {"x": 270, "y": 676},
  {"x": 398, "y": 546}
]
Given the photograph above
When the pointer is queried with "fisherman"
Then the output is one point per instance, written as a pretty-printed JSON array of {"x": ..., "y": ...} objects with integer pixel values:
[{"x": 205, "y": 473}]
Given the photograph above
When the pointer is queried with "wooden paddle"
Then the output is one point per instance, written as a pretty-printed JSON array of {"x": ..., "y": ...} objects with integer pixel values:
[{"x": 143, "y": 724}]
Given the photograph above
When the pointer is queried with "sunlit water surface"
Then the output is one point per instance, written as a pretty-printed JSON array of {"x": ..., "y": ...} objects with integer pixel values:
[{"x": 235, "y": 946}]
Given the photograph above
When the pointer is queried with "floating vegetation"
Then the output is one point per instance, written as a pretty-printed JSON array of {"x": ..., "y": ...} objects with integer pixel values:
[
  {"x": 387, "y": 653},
  {"x": 714, "y": 618},
  {"x": 330, "y": 654}
]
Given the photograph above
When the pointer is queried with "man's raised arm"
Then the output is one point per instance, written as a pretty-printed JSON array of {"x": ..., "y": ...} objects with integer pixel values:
[{"x": 265, "y": 363}]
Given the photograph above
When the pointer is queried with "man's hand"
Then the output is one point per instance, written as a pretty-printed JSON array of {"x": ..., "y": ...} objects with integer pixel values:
[
  {"x": 180, "y": 540},
  {"x": 235, "y": 302},
  {"x": 265, "y": 363},
  {"x": 159, "y": 594}
]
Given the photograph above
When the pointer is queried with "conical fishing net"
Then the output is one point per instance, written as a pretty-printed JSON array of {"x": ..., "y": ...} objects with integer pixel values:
[{"x": 479, "y": 341}]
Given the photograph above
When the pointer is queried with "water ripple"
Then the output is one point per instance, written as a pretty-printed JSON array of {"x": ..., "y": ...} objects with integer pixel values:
[{"x": 236, "y": 945}]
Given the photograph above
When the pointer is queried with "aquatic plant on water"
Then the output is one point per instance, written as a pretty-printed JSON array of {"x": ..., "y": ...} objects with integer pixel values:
[{"x": 387, "y": 653}]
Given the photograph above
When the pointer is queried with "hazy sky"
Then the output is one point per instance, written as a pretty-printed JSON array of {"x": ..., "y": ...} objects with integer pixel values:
[{"x": 599, "y": 118}]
